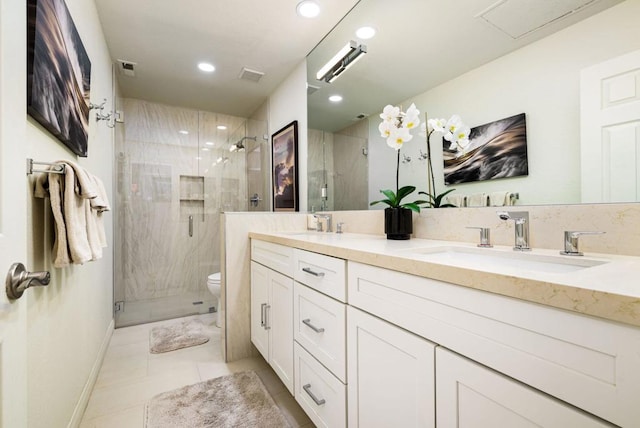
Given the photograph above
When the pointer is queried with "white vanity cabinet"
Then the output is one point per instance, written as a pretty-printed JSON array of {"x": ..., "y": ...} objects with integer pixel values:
[
  {"x": 391, "y": 379},
  {"x": 272, "y": 307},
  {"x": 589, "y": 363},
  {"x": 471, "y": 395}
]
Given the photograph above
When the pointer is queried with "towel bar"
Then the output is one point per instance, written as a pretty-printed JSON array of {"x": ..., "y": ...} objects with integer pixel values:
[{"x": 58, "y": 168}]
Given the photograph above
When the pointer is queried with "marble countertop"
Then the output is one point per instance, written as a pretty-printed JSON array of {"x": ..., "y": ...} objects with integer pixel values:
[{"x": 609, "y": 290}]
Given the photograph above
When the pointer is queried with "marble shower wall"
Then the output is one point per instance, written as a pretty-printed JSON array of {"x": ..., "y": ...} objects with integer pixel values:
[
  {"x": 173, "y": 163},
  {"x": 350, "y": 146}
]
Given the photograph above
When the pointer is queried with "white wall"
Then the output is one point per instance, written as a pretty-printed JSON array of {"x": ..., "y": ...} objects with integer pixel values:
[
  {"x": 70, "y": 320},
  {"x": 541, "y": 80},
  {"x": 286, "y": 104}
]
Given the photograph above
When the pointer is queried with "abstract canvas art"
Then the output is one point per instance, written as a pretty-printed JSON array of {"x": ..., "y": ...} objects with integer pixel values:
[
  {"x": 58, "y": 74},
  {"x": 495, "y": 150}
]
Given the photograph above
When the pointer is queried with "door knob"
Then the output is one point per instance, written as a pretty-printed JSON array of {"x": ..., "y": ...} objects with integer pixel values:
[{"x": 18, "y": 280}]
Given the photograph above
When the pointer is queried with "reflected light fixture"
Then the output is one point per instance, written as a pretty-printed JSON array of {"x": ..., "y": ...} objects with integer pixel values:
[
  {"x": 206, "y": 67},
  {"x": 221, "y": 127},
  {"x": 343, "y": 60},
  {"x": 365, "y": 32},
  {"x": 308, "y": 9}
]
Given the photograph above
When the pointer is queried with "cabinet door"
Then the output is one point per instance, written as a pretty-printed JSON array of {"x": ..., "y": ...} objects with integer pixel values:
[
  {"x": 280, "y": 325},
  {"x": 259, "y": 302},
  {"x": 390, "y": 375},
  {"x": 471, "y": 395}
]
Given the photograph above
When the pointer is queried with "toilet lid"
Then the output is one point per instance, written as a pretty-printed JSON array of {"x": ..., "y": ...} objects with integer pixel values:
[{"x": 214, "y": 277}]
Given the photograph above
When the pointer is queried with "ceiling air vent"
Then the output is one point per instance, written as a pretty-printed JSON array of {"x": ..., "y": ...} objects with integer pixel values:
[
  {"x": 360, "y": 117},
  {"x": 517, "y": 18},
  {"x": 127, "y": 67},
  {"x": 251, "y": 75}
]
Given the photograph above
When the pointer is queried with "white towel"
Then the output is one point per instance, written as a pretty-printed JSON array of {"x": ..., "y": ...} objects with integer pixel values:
[
  {"x": 455, "y": 199},
  {"x": 498, "y": 199},
  {"x": 477, "y": 200},
  {"x": 77, "y": 201}
]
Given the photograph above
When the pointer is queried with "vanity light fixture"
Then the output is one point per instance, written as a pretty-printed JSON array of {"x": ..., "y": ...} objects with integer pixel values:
[
  {"x": 343, "y": 60},
  {"x": 365, "y": 33},
  {"x": 335, "y": 98},
  {"x": 206, "y": 67},
  {"x": 308, "y": 9}
]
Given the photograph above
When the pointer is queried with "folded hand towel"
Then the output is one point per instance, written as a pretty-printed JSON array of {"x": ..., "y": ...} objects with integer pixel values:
[
  {"x": 498, "y": 199},
  {"x": 477, "y": 200},
  {"x": 457, "y": 200}
]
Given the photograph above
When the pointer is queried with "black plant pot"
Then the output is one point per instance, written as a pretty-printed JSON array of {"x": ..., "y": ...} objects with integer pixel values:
[{"x": 398, "y": 223}]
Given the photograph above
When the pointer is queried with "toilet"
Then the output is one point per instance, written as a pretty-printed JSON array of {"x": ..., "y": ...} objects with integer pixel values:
[{"x": 213, "y": 284}]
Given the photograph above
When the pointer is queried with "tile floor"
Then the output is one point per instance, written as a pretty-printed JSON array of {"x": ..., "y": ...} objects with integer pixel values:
[{"x": 130, "y": 376}]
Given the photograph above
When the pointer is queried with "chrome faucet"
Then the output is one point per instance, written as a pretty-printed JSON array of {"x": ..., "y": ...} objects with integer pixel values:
[
  {"x": 521, "y": 219},
  {"x": 571, "y": 242},
  {"x": 327, "y": 218}
]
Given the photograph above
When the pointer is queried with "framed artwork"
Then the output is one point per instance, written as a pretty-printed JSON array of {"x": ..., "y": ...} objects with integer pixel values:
[
  {"x": 284, "y": 149},
  {"x": 58, "y": 74},
  {"x": 495, "y": 150}
]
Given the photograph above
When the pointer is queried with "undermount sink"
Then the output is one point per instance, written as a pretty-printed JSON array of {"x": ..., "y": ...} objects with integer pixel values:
[{"x": 489, "y": 258}]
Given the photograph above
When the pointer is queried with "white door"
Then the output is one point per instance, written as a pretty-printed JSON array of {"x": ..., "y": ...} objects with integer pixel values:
[
  {"x": 280, "y": 322},
  {"x": 259, "y": 302},
  {"x": 471, "y": 395},
  {"x": 610, "y": 130},
  {"x": 13, "y": 223},
  {"x": 390, "y": 375}
]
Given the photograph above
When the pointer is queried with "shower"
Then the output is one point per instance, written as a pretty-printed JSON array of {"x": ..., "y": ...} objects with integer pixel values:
[
  {"x": 175, "y": 178},
  {"x": 238, "y": 146}
]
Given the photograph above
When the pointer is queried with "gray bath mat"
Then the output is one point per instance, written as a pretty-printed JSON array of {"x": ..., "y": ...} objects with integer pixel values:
[
  {"x": 237, "y": 400},
  {"x": 176, "y": 336}
]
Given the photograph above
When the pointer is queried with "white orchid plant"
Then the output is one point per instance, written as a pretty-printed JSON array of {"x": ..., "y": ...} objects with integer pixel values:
[
  {"x": 457, "y": 134},
  {"x": 396, "y": 127}
]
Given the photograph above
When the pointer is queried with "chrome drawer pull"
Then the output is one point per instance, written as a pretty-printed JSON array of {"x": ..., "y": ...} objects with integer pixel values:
[
  {"x": 266, "y": 317},
  {"x": 309, "y": 271},
  {"x": 307, "y": 322},
  {"x": 307, "y": 389},
  {"x": 262, "y": 311}
]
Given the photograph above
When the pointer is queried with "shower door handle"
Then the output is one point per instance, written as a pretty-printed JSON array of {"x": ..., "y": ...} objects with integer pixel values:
[{"x": 190, "y": 225}]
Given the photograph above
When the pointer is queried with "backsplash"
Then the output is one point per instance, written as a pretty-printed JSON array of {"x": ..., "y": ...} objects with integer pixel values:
[{"x": 621, "y": 222}]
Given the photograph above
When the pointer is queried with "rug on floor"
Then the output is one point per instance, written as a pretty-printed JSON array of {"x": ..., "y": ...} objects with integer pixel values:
[
  {"x": 178, "y": 335},
  {"x": 236, "y": 400}
]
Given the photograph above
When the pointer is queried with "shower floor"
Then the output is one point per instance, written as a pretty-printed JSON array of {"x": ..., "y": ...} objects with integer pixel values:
[{"x": 163, "y": 308}]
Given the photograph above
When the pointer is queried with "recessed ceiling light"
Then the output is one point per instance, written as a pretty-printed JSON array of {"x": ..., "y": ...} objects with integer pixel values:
[
  {"x": 221, "y": 127},
  {"x": 209, "y": 143},
  {"x": 204, "y": 149},
  {"x": 206, "y": 67},
  {"x": 308, "y": 9},
  {"x": 365, "y": 32},
  {"x": 183, "y": 132},
  {"x": 198, "y": 158},
  {"x": 335, "y": 98}
]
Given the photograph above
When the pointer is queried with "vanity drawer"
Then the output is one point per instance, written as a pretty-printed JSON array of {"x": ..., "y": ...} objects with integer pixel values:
[
  {"x": 323, "y": 273},
  {"x": 589, "y": 363},
  {"x": 275, "y": 256},
  {"x": 320, "y": 327},
  {"x": 320, "y": 394}
]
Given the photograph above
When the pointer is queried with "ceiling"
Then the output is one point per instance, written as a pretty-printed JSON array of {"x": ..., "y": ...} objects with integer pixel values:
[
  {"x": 431, "y": 42},
  {"x": 425, "y": 43},
  {"x": 167, "y": 38}
]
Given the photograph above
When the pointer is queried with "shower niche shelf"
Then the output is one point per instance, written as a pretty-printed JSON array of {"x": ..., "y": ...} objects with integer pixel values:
[{"x": 191, "y": 197}]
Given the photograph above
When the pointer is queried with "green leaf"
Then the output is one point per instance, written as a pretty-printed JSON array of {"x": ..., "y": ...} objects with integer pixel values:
[
  {"x": 391, "y": 196},
  {"x": 412, "y": 206},
  {"x": 383, "y": 201}
]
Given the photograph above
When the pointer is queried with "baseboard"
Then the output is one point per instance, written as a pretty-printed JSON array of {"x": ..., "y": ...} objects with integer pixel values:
[{"x": 81, "y": 406}]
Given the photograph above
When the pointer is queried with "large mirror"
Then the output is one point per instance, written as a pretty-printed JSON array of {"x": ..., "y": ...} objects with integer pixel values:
[{"x": 481, "y": 59}]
